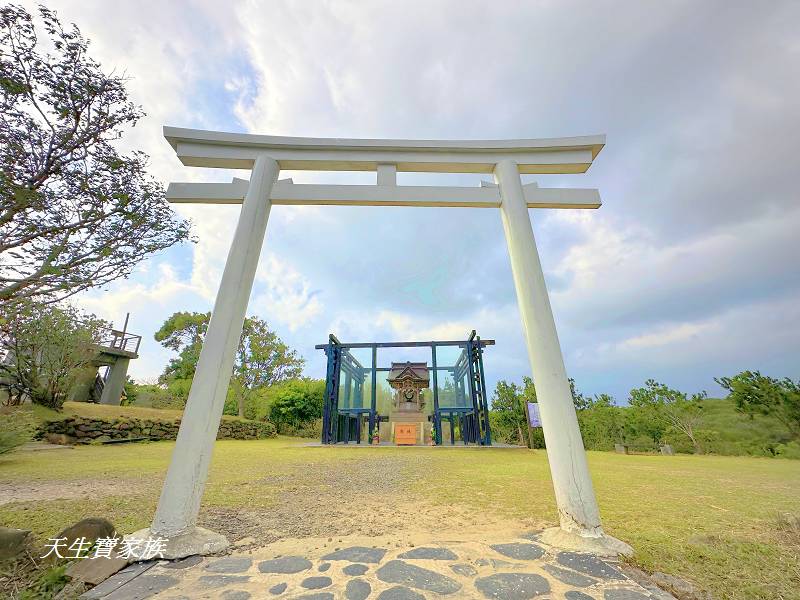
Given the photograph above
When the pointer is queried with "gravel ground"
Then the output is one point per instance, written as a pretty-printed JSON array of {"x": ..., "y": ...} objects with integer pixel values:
[{"x": 318, "y": 503}]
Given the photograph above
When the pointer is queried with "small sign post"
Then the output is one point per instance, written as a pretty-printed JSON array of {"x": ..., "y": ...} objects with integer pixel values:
[{"x": 534, "y": 419}]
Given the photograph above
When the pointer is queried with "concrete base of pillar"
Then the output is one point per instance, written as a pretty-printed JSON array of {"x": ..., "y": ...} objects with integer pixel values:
[
  {"x": 196, "y": 541},
  {"x": 603, "y": 545}
]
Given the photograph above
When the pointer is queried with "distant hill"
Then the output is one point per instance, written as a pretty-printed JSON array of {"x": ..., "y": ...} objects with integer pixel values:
[{"x": 736, "y": 433}]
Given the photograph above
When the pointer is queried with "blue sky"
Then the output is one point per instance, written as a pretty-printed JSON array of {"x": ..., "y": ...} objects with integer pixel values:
[{"x": 688, "y": 271}]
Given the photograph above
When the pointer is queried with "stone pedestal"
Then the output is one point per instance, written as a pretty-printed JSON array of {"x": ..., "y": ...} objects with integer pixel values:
[
  {"x": 197, "y": 540},
  {"x": 407, "y": 416}
]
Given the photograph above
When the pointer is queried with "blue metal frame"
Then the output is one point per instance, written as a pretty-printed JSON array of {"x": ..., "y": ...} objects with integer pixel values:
[{"x": 340, "y": 424}]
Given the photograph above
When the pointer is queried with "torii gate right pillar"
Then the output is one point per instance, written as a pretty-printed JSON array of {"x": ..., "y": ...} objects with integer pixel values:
[{"x": 577, "y": 506}]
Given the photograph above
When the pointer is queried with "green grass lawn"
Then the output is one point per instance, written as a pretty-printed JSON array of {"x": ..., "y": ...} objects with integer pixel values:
[{"x": 714, "y": 520}]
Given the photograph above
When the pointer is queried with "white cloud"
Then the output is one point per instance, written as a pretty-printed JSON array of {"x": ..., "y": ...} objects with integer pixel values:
[
  {"x": 149, "y": 304},
  {"x": 620, "y": 274},
  {"x": 663, "y": 336},
  {"x": 286, "y": 296}
]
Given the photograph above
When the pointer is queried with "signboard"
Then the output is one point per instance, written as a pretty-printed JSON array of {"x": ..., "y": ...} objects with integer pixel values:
[{"x": 534, "y": 420}]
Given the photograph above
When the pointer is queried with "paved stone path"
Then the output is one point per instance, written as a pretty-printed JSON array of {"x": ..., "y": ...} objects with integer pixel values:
[{"x": 509, "y": 569}]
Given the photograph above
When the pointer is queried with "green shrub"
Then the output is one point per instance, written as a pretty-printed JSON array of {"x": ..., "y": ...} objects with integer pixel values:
[
  {"x": 131, "y": 392},
  {"x": 157, "y": 396},
  {"x": 16, "y": 428},
  {"x": 310, "y": 429},
  {"x": 297, "y": 402},
  {"x": 788, "y": 450},
  {"x": 51, "y": 580}
]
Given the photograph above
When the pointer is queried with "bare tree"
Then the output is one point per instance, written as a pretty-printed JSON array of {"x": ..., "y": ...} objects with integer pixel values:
[
  {"x": 685, "y": 415},
  {"x": 74, "y": 212},
  {"x": 661, "y": 410}
]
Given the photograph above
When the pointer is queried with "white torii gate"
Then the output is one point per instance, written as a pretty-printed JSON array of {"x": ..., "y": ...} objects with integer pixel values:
[{"x": 178, "y": 507}]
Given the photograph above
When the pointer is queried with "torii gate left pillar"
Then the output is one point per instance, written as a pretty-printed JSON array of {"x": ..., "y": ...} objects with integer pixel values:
[{"x": 179, "y": 505}]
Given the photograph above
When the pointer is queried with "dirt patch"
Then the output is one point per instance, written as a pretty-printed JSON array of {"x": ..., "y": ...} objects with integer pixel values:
[
  {"x": 360, "y": 498},
  {"x": 28, "y": 491}
]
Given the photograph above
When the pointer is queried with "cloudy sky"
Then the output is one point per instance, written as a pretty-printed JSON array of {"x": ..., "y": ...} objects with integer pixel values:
[{"x": 688, "y": 271}]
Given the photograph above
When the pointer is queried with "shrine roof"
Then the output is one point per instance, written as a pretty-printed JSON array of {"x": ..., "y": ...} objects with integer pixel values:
[{"x": 417, "y": 370}]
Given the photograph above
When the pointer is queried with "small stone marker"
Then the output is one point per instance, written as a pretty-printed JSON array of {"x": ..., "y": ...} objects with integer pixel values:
[
  {"x": 12, "y": 542},
  {"x": 620, "y": 449},
  {"x": 667, "y": 450},
  {"x": 397, "y": 571},
  {"x": 357, "y": 589},
  {"x": 430, "y": 554},
  {"x": 90, "y": 529},
  {"x": 285, "y": 565},
  {"x": 519, "y": 551},
  {"x": 512, "y": 586}
]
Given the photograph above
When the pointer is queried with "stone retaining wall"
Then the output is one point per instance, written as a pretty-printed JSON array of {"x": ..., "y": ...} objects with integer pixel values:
[{"x": 83, "y": 430}]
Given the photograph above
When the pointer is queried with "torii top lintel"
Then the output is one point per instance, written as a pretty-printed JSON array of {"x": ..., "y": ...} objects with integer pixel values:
[{"x": 200, "y": 148}]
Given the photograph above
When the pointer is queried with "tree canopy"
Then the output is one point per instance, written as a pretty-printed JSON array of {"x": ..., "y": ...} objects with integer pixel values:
[
  {"x": 262, "y": 358},
  {"x": 757, "y": 394},
  {"x": 75, "y": 213},
  {"x": 509, "y": 411},
  {"x": 44, "y": 348},
  {"x": 663, "y": 410},
  {"x": 183, "y": 332}
]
